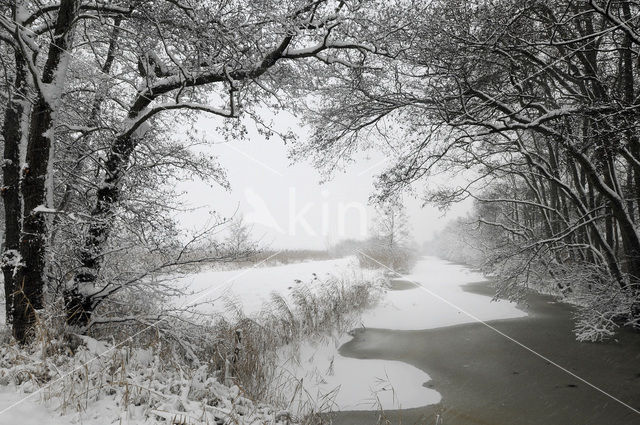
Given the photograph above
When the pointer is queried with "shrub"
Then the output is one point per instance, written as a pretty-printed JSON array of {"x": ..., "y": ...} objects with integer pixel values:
[{"x": 375, "y": 256}]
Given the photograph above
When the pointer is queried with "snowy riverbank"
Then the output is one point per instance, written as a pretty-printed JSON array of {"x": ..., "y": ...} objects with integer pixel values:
[
  {"x": 426, "y": 302},
  {"x": 332, "y": 381},
  {"x": 312, "y": 373}
]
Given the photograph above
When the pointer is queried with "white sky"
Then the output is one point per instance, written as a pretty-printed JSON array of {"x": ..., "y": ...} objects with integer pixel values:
[{"x": 285, "y": 203}]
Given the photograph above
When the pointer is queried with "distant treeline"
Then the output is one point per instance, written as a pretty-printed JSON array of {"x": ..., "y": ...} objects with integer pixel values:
[
  {"x": 287, "y": 256},
  {"x": 373, "y": 253}
]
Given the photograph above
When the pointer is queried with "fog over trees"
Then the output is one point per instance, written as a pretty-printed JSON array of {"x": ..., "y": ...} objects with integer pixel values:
[
  {"x": 537, "y": 103},
  {"x": 93, "y": 88},
  {"x": 529, "y": 108}
]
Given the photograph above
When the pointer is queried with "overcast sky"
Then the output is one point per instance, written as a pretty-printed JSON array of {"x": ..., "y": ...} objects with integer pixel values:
[{"x": 285, "y": 203}]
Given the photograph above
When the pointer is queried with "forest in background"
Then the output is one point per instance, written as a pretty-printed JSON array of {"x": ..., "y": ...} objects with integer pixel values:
[
  {"x": 530, "y": 108},
  {"x": 534, "y": 103}
]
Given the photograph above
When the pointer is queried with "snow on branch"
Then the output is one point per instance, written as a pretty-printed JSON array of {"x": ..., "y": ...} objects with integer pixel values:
[{"x": 136, "y": 123}]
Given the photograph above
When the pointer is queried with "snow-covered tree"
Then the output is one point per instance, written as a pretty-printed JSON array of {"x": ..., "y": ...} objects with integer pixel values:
[
  {"x": 91, "y": 108},
  {"x": 391, "y": 226},
  {"x": 535, "y": 103}
]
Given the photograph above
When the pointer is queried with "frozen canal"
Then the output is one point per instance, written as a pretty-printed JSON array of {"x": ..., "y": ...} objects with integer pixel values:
[{"x": 432, "y": 296}]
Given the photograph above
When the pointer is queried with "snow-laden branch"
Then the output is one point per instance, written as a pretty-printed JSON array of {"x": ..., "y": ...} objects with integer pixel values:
[
  {"x": 134, "y": 124},
  {"x": 99, "y": 6},
  {"x": 624, "y": 25},
  {"x": 19, "y": 33}
]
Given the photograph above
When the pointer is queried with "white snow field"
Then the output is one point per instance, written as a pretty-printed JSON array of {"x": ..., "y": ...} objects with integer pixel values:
[
  {"x": 251, "y": 288},
  {"x": 334, "y": 382},
  {"x": 26, "y": 412},
  {"x": 342, "y": 383},
  {"x": 33, "y": 412}
]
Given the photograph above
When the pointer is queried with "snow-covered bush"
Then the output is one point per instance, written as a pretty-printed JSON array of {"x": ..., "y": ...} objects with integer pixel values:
[
  {"x": 101, "y": 384},
  {"x": 603, "y": 308},
  {"x": 376, "y": 256},
  {"x": 174, "y": 366}
]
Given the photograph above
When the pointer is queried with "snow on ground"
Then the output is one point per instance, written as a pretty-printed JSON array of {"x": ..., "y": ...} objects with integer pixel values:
[
  {"x": 330, "y": 380},
  {"x": 125, "y": 386},
  {"x": 33, "y": 412},
  {"x": 28, "y": 412},
  {"x": 352, "y": 384},
  {"x": 251, "y": 288},
  {"x": 333, "y": 382}
]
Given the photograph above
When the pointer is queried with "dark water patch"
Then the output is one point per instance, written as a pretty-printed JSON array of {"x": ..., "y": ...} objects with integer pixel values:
[{"x": 484, "y": 378}]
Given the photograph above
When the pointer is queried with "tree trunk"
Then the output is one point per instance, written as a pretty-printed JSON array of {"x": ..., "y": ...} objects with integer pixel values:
[
  {"x": 78, "y": 305},
  {"x": 12, "y": 133},
  {"x": 79, "y": 302},
  {"x": 30, "y": 277},
  {"x": 628, "y": 88}
]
